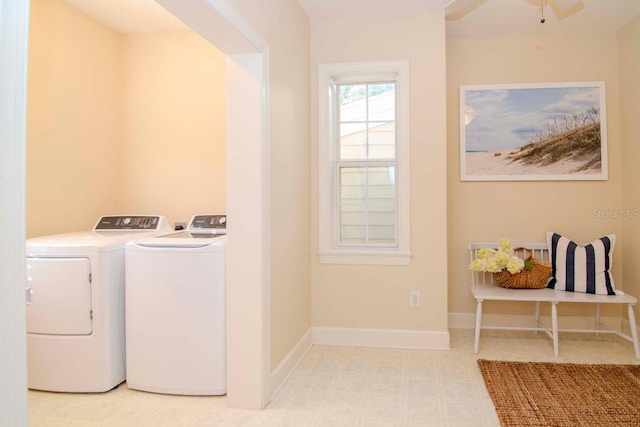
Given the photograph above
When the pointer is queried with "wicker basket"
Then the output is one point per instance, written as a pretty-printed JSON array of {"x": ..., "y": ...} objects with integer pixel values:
[{"x": 535, "y": 278}]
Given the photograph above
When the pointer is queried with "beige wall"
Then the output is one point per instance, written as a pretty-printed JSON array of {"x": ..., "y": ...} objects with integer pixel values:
[
  {"x": 120, "y": 123},
  {"x": 285, "y": 27},
  {"x": 525, "y": 211},
  {"x": 377, "y": 297},
  {"x": 173, "y": 150},
  {"x": 629, "y": 62},
  {"x": 73, "y": 126}
]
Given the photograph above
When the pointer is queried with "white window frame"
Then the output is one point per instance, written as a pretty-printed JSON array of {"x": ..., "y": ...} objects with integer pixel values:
[{"x": 329, "y": 251}]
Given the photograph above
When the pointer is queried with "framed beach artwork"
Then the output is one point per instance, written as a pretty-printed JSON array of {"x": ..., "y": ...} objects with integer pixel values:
[{"x": 531, "y": 132}]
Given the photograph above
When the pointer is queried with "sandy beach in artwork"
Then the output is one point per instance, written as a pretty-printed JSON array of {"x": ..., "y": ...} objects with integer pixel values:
[{"x": 501, "y": 162}]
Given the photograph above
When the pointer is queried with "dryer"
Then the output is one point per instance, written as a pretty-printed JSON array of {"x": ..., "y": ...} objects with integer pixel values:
[
  {"x": 75, "y": 304},
  {"x": 176, "y": 315}
]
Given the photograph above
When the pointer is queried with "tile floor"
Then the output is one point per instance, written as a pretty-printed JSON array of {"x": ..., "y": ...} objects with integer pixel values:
[{"x": 344, "y": 386}]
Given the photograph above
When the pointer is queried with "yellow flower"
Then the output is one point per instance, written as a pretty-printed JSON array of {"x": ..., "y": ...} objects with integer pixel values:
[
  {"x": 492, "y": 266},
  {"x": 515, "y": 265},
  {"x": 478, "y": 265},
  {"x": 505, "y": 245},
  {"x": 502, "y": 258},
  {"x": 494, "y": 261},
  {"x": 485, "y": 253}
]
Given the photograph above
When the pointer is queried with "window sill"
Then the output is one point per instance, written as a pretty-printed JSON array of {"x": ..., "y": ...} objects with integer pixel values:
[{"x": 364, "y": 258}]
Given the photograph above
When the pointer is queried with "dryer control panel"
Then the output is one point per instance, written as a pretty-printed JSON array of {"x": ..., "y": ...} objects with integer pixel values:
[
  {"x": 212, "y": 223},
  {"x": 129, "y": 222}
]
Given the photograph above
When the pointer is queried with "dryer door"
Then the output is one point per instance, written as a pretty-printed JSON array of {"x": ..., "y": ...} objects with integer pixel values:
[{"x": 59, "y": 296}]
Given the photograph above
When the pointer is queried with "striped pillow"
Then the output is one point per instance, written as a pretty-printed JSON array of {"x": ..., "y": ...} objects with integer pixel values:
[{"x": 578, "y": 268}]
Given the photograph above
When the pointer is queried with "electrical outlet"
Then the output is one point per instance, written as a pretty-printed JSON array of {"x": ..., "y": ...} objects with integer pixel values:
[{"x": 414, "y": 299}]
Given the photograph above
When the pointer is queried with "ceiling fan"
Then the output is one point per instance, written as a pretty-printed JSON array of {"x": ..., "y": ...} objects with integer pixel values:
[{"x": 458, "y": 9}]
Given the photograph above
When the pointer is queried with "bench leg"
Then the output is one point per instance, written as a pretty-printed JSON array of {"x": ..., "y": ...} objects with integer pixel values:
[
  {"x": 537, "y": 317},
  {"x": 634, "y": 330},
  {"x": 554, "y": 326},
  {"x": 597, "y": 326},
  {"x": 476, "y": 343}
]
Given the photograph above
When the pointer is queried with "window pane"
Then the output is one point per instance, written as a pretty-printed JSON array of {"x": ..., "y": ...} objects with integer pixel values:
[
  {"x": 382, "y": 234},
  {"x": 353, "y": 103},
  {"x": 353, "y": 141},
  {"x": 382, "y": 141},
  {"x": 367, "y": 204},
  {"x": 382, "y": 102},
  {"x": 367, "y": 121}
]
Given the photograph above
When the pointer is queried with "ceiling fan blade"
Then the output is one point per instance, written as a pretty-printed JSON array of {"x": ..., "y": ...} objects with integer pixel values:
[
  {"x": 567, "y": 11},
  {"x": 460, "y": 8}
]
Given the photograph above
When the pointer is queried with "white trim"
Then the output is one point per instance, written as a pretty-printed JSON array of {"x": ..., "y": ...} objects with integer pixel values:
[
  {"x": 328, "y": 251},
  {"x": 248, "y": 372},
  {"x": 248, "y": 194},
  {"x": 14, "y": 31},
  {"x": 285, "y": 368},
  {"x": 468, "y": 321},
  {"x": 266, "y": 227},
  {"x": 387, "y": 338},
  {"x": 233, "y": 18}
]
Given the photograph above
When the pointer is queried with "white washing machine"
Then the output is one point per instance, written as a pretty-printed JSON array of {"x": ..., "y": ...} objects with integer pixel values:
[
  {"x": 75, "y": 305},
  {"x": 176, "y": 310}
]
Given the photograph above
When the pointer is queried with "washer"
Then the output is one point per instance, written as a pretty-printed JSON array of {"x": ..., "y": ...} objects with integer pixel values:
[
  {"x": 75, "y": 304},
  {"x": 176, "y": 315}
]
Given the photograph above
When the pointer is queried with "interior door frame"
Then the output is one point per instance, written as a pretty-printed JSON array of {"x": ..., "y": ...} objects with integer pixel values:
[{"x": 14, "y": 31}]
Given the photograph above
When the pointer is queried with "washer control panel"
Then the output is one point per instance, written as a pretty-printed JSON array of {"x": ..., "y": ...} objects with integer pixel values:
[
  {"x": 212, "y": 223},
  {"x": 129, "y": 222}
]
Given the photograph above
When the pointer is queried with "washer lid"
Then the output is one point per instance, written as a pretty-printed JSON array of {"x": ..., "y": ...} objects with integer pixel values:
[{"x": 182, "y": 239}]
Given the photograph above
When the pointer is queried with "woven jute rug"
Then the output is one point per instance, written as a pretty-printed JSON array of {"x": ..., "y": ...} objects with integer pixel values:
[{"x": 561, "y": 394}]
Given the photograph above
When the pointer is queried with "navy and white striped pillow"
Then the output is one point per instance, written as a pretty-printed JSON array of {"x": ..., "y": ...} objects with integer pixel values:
[{"x": 578, "y": 268}]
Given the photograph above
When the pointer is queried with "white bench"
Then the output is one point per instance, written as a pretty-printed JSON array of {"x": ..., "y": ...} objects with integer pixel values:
[{"x": 483, "y": 289}]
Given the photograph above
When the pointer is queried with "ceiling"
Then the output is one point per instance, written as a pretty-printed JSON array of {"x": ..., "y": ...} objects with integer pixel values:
[
  {"x": 327, "y": 9},
  {"x": 503, "y": 18},
  {"x": 129, "y": 16},
  {"x": 495, "y": 18}
]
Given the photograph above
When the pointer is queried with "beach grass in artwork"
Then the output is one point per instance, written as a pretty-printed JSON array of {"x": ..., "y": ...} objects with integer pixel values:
[{"x": 533, "y": 132}]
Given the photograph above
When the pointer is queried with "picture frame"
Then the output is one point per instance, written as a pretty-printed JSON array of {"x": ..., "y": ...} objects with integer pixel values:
[{"x": 533, "y": 132}]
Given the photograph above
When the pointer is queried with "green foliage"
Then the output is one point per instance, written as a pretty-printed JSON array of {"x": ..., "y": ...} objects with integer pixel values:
[{"x": 353, "y": 93}]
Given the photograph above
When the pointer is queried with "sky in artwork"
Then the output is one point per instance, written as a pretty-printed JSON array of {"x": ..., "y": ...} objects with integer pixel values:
[{"x": 499, "y": 119}]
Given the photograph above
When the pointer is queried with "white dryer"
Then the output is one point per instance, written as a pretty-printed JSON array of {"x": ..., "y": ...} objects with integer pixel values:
[
  {"x": 175, "y": 312},
  {"x": 75, "y": 305}
]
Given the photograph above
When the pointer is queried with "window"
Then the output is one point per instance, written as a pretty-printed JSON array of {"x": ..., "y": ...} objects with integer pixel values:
[{"x": 364, "y": 163}]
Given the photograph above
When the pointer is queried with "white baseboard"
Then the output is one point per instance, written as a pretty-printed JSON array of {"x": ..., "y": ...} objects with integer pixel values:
[
  {"x": 388, "y": 338},
  {"x": 468, "y": 321},
  {"x": 285, "y": 368}
]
